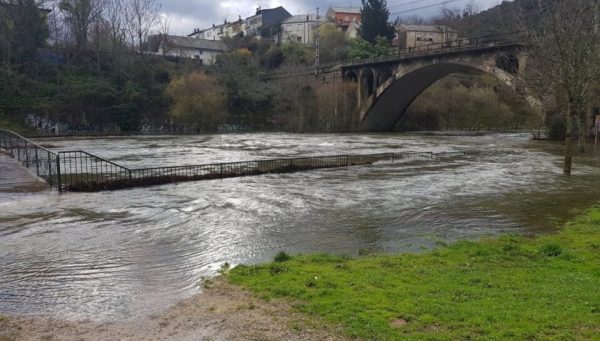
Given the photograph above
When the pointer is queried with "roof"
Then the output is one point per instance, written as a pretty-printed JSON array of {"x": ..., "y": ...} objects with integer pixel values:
[
  {"x": 352, "y": 10},
  {"x": 266, "y": 10},
  {"x": 426, "y": 28},
  {"x": 195, "y": 43},
  {"x": 300, "y": 18}
]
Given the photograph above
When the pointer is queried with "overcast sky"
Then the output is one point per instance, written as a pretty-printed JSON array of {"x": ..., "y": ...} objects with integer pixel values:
[{"x": 185, "y": 15}]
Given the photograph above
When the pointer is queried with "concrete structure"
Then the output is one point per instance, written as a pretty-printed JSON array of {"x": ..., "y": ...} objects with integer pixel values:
[
  {"x": 265, "y": 23},
  {"x": 299, "y": 29},
  {"x": 343, "y": 17},
  {"x": 187, "y": 47},
  {"x": 387, "y": 87},
  {"x": 416, "y": 37},
  {"x": 353, "y": 30}
]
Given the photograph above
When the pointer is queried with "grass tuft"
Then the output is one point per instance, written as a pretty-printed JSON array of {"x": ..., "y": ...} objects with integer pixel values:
[
  {"x": 281, "y": 257},
  {"x": 551, "y": 250}
]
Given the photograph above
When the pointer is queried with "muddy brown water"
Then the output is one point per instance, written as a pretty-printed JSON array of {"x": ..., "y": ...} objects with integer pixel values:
[{"x": 132, "y": 253}]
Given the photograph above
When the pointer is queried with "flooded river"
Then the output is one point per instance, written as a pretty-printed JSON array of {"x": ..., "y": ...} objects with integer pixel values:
[{"x": 131, "y": 253}]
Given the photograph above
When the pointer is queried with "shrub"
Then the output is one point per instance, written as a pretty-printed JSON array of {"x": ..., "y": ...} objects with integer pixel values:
[
  {"x": 551, "y": 250},
  {"x": 282, "y": 257}
]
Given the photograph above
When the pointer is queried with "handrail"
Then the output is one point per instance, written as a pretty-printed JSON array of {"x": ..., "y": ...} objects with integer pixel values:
[
  {"x": 78, "y": 170},
  {"x": 10, "y": 132}
]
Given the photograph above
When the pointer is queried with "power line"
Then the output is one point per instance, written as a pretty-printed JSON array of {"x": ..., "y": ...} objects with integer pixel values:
[
  {"x": 425, "y": 7},
  {"x": 407, "y": 3}
]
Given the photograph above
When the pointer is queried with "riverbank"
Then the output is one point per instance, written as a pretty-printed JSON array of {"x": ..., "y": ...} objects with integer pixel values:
[
  {"x": 508, "y": 288},
  {"x": 221, "y": 312}
]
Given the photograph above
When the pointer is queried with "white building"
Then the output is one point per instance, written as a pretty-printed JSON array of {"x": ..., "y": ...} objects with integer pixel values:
[
  {"x": 187, "y": 47},
  {"x": 213, "y": 33},
  {"x": 299, "y": 29}
]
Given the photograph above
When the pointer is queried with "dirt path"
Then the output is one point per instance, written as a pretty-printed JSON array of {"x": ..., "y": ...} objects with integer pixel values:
[{"x": 221, "y": 312}]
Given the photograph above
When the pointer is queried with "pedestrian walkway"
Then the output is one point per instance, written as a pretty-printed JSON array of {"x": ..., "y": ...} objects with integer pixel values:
[{"x": 16, "y": 178}]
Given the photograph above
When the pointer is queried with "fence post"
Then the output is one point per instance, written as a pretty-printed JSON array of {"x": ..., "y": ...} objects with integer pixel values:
[
  {"x": 37, "y": 162},
  {"x": 50, "y": 181},
  {"x": 58, "y": 179},
  {"x": 18, "y": 151}
]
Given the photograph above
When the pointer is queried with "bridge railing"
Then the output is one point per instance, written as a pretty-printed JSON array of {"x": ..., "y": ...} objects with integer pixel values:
[
  {"x": 460, "y": 44},
  {"x": 118, "y": 177},
  {"x": 79, "y": 171},
  {"x": 41, "y": 161}
]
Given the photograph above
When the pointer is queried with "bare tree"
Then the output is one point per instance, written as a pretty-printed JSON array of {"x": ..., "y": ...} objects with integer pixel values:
[
  {"x": 564, "y": 60},
  {"x": 80, "y": 15},
  {"x": 143, "y": 16},
  {"x": 114, "y": 18}
]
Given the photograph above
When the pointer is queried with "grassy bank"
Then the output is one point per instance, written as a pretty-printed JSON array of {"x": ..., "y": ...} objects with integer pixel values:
[{"x": 508, "y": 288}]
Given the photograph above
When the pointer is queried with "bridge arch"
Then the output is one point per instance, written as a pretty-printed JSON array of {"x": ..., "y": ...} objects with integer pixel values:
[{"x": 390, "y": 101}]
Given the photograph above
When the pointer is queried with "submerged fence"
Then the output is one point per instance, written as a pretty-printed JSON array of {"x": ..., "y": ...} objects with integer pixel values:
[
  {"x": 79, "y": 171},
  {"x": 41, "y": 161}
]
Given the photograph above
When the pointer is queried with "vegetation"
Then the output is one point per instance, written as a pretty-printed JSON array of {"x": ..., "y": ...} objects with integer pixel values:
[
  {"x": 198, "y": 101},
  {"x": 469, "y": 102},
  {"x": 513, "y": 287},
  {"x": 375, "y": 21}
]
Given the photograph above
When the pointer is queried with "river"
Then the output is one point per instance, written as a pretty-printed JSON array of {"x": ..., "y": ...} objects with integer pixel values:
[{"x": 131, "y": 253}]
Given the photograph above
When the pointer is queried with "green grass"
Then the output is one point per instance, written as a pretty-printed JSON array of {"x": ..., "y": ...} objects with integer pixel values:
[{"x": 544, "y": 288}]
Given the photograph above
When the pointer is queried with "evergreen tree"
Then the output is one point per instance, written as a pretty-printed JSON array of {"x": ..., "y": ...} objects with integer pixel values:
[{"x": 375, "y": 23}]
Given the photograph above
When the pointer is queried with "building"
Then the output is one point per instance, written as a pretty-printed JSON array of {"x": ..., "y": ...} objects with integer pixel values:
[
  {"x": 299, "y": 29},
  {"x": 235, "y": 28},
  {"x": 213, "y": 33},
  {"x": 416, "y": 37},
  {"x": 216, "y": 32},
  {"x": 353, "y": 31},
  {"x": 265, "y": 23},
  {"x": 188, "y": 47},
  {"x": 343, "y": 17}
]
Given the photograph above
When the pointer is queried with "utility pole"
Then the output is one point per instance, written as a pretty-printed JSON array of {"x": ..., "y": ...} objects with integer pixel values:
[{"x": 317, "y": 46}]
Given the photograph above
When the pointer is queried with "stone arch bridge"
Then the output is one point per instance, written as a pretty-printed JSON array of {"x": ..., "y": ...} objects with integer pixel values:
[{"x": 387, "y": 86}]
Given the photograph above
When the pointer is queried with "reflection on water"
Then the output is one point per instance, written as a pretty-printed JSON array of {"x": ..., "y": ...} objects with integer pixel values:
[{"x": 134, "y": 252}]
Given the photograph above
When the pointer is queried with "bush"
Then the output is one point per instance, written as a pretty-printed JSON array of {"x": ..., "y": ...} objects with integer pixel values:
[
  {"x": 551, "y": 250},
  {"x": 557, "y": 127},
  {"x": 282, "y": 257}
]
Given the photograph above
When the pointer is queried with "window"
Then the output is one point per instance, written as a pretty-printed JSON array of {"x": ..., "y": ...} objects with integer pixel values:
[
  {"x": 347, "y": 18},
  {"x": 299, "y": 39}
]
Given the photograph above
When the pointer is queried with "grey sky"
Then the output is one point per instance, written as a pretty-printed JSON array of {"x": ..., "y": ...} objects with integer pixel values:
[{"x": 185, "y": 15}]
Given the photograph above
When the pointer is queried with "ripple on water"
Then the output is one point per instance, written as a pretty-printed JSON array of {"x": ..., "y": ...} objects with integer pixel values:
[{"x": 123, "y": 254}]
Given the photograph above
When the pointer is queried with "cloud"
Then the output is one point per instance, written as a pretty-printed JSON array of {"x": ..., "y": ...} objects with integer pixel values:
[{"x": 185, "y": 15}]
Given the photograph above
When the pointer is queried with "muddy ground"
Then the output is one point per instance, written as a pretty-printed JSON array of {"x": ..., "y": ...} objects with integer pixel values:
[{"x": 221, "y": 312}]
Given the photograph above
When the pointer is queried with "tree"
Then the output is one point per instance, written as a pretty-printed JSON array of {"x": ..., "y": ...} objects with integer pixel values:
[
  {"x": 333, "y": 43},
  {"x": 375, "y": 15},
  {"x": 79, "y": 16},
  {"x": 564, "y": 50},
  {"x": 198, "y": 101},
  {"x": 361, "y": 49},
  {"x": 22, "y": 31},
  {"x": 142, "y": 16}
]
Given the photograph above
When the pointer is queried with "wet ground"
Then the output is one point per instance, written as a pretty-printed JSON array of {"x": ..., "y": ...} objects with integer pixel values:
[
  {"x": 131, "y": 253},
  {"x": 15, "y": 179}
]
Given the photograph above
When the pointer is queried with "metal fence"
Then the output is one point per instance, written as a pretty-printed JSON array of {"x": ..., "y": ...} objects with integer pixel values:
[
  {"x": 79, "y": 171},
  {"x": 41, "y": 161}
]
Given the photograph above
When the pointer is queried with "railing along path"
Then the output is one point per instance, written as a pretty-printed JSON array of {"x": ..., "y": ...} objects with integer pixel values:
[{"x": 79, "y": 171}]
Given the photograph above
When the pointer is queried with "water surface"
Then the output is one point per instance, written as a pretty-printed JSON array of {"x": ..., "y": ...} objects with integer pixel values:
[{"x": 131, "y": 253}]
